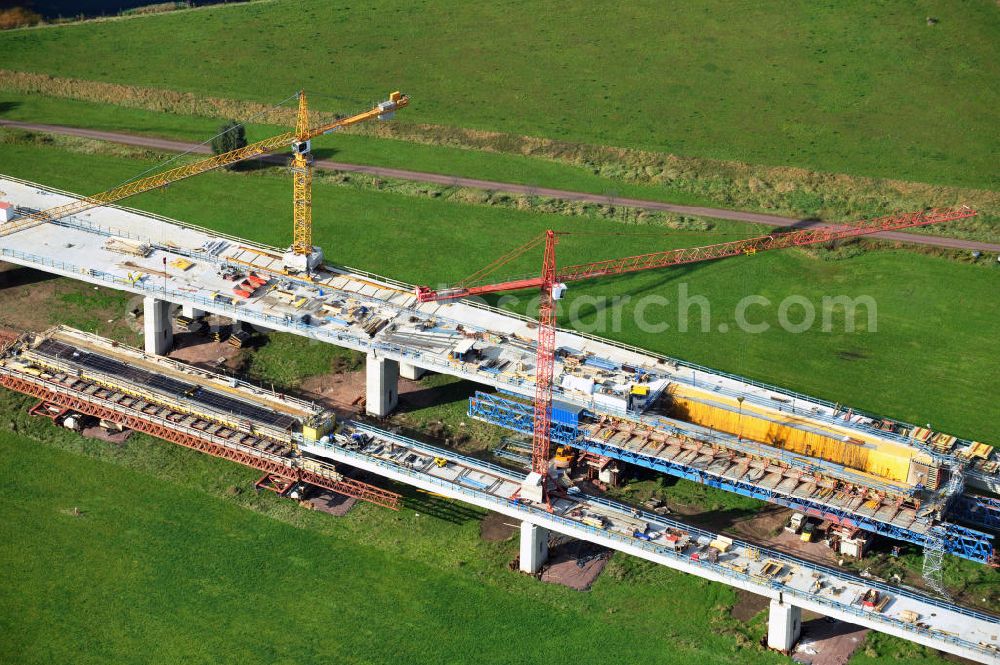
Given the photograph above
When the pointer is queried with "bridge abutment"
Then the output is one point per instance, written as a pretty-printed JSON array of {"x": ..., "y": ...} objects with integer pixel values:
[
  {"x": 158, "y": 332},
  {"x": 784, "y": 625},
  {"x": 381, "y": 385},
  {"x": 534, "y": 547}
]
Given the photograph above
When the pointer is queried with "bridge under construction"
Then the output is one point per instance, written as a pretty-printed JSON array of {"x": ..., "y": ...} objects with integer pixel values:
[
  {"x": 827, "y": 460},
  {"x": 830, "y": 461},
  {"x": 76, "y": 374}
]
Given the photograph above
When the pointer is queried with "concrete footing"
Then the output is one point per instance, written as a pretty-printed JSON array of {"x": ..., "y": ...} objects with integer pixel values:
[
  {"x": 159, "y": 332},
  {"x": 381, "y": 385},
  {"x": 411, "y": 372},
  {"x": 784, "y": 625},
  {"x": 534, "y": 547}
]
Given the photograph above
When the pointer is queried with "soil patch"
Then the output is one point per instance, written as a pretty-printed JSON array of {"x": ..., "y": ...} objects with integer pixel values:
[
  {"x": 575, "y": 564},
  {"x": 342, "y": 392},
  {"x": 748, "y": 605},
  {"x": 97, "y": 432},
  {"x": 345, "y": 391},
  {"x": 23, "y": 297},
  {"x": 827, "y": 641},
  {"x": 331, "y": 503},
  {"x": 495, "y": 528},
  {"x": 202, "y": 351}
]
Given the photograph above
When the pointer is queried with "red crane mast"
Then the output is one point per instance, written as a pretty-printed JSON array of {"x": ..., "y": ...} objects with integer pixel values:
[{"x": 552, "y": 280}]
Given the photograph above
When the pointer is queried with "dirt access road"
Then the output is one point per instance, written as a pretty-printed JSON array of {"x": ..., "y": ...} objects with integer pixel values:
[{"x": 456, "y": 181}]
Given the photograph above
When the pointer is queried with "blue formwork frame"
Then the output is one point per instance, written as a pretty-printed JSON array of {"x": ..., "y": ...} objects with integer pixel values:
[
  {"x": 981, "y": 511},
  {"x": 517, "y": 416}
]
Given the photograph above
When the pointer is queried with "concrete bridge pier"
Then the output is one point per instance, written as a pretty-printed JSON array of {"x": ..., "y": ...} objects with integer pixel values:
[
  {"x": 784, "y": 625},
  {"x": 191, "y": 312},
  {"x": 381, "y": 385},
  {"x": 159, "y": 333},
  {"x": 534, "y": 547},
  {"x": 412, "y": 372}
]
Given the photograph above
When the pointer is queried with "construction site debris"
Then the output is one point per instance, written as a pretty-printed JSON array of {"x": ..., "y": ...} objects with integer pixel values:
[{"x": 127, "y": 246}]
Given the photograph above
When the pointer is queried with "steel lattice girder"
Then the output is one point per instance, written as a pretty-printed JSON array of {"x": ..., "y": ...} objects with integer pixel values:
[
  {"x": 958, "y": 540},
  {"x": 516, "y": 416},
  {"x": 353, "y": 488},
  {"x": 280, "y": 467},
  {"x": 979, "y": 510}
]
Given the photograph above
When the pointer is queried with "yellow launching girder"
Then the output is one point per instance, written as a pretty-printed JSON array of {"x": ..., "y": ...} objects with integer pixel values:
[
  {"x": 798, "y": 433},
  {"x": 301, "y": 135}
]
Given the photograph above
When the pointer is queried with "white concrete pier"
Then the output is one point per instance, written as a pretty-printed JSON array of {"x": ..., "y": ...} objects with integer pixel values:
[
  {"x": 534, "y": 547},
  {"x": 784, "y": 624},
  {"x": 412, "y": 372},
  {"x": 159, "y": 332},
  {"x": 191, "y": 312},
  {"x": 382, "y": 385}
]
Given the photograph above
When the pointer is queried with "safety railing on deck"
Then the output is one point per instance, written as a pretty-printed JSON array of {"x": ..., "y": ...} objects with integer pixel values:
[
  {"x": 620, "y": 345},
  {"x": 718, "y": 569}
]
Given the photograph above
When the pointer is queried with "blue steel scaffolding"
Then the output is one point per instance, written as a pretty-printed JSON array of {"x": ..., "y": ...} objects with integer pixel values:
[
  {"x": 982, "y": 511},
  {"x": 958, "y": 540}
]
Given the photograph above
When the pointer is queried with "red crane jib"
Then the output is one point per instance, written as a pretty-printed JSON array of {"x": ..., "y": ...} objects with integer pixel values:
[
  {"x": 673, "y": 257},
  {"x": 551, "y": 277}
]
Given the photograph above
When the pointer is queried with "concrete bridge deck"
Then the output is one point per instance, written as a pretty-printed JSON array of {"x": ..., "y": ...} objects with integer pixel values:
[
  {"x": 791, "y": 583},
  {"x": 167, "y": 262}
]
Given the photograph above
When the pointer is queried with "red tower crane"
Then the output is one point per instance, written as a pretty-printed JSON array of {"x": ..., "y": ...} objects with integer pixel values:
[{"x": 552, "y": 284}]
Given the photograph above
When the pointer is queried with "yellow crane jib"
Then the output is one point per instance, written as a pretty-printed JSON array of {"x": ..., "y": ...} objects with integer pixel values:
[
  {"x": 299, "y": 140},
  {"x": 303, "y": 256}
]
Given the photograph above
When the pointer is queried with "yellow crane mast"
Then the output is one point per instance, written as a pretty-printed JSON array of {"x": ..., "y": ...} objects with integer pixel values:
[
  {"x": 302, "y": 256},
  {"x": 302, "y": 183}
]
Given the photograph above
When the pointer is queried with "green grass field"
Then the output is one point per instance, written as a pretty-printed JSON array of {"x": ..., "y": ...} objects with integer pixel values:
[
  {"x": 286, "y": 359},
  {"x": 856, "y": 87},
  {"x": 348, "y": 148},
  {"x": 117, "y": 553},
  {"x": 152, "y": 551},
  {"x": 114, "y": 564},
  {"x": 927, "y": 362}
]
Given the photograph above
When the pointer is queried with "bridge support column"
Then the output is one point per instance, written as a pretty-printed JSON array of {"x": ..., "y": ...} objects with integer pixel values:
[
  {"x": 382, "y": 385},
  {"x": 412, "y": 372},
  {"x": 534, "y": 547},
  {"x": 784, "y": 625},
  {"x": 159, "y": 334},
  {"x": 191, "y": 312}
]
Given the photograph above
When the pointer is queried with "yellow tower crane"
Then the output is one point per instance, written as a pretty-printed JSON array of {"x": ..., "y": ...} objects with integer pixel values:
[{"x": 302, "y": 256}]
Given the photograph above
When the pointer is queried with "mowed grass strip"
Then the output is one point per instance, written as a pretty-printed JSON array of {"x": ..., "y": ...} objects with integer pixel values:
[
  {"x": 506, "y": 158},
  {"x": 343, "y": 147},
  {"x": 926, "y": 362},
  {"x": 853, "y": 87}
]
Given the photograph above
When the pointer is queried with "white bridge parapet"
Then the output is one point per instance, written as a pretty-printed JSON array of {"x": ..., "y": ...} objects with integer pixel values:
[{"x": 953, "y": 629}]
